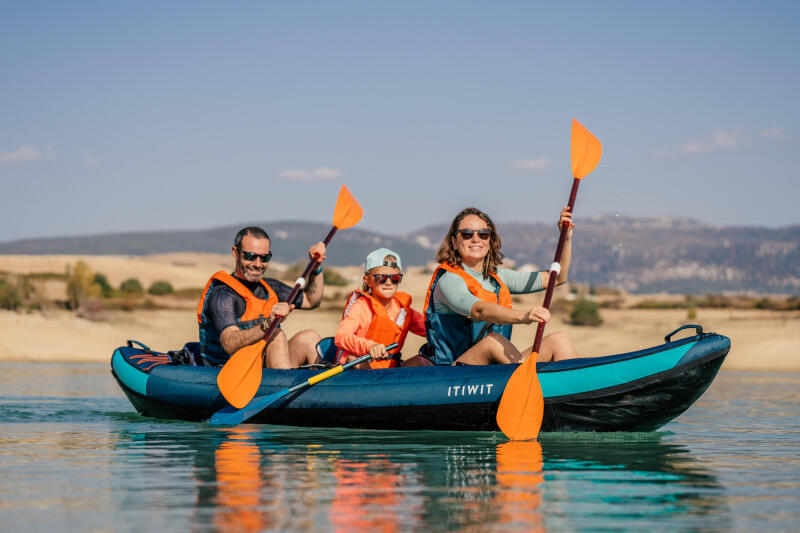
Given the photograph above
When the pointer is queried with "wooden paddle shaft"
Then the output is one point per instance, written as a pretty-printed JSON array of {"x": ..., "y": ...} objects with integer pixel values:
[
  {"x": 297, "y": 288},
  {"x": 551, "y": 284}
]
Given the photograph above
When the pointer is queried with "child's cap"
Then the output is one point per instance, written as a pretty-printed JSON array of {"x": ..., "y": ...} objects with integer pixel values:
[{"x": 375, "y": 259}]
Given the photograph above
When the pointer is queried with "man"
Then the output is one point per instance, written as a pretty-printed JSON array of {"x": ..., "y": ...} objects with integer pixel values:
[{"x": 236, "y": 310}]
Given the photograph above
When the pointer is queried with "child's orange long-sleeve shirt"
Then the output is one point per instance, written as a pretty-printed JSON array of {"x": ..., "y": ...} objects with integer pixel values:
[{"x": 352, "y": 329}]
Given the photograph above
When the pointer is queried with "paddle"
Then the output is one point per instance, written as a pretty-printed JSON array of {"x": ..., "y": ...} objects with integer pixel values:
[
  {"x": 240, "y": 377},
  {"x": 231, "y": 415},
  {"x": 519, "y": 414}
]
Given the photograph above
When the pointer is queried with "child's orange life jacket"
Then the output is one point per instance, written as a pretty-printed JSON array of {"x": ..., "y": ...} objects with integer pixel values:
[{"x": 383, "y": 329}]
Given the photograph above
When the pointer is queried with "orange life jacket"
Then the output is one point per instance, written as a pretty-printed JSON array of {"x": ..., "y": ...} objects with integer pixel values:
[
  {"x": 256, "y": 310},
  {"x": 449, "y": 335},
  {"x": 383, "y": 329},
  {"x": 503, "y": 297}
]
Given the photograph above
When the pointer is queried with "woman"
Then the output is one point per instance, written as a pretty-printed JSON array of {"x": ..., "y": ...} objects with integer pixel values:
[{"x": 468, "y": 305}]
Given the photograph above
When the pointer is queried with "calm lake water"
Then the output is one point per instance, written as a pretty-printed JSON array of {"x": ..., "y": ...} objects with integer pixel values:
[{"x": 75, "y": 457}]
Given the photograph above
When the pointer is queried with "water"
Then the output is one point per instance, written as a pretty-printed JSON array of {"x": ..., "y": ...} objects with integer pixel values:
[{"x": 74, "y": 457}]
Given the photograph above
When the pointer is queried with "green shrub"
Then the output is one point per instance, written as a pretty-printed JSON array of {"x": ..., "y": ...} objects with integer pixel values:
[
  {"x": 10, "y": 295},
  {"x": 691, "y": 313},
  {"x": 47, "y": 276},
  {"x": 131, "y": 287},
  {"x": 333, "y": 278},
  {"x": 161, "y": 287},
  {"x": 80, "y": 285},
  {"x": 293, "y": 271},
  {"x": 105, "y": 287},
  {"x": 585, "y": 313}
]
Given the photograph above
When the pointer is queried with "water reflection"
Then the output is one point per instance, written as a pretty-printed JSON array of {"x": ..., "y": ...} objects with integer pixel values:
[
  {"x": 519, "y": 476},
  {"x": 370, "y": 496},
  {"x": 238, "y": 484},
  {"x": 256, "y": 478}
]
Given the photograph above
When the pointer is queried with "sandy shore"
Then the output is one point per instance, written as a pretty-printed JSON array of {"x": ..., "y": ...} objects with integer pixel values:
[{"x": 766, "y": 340}]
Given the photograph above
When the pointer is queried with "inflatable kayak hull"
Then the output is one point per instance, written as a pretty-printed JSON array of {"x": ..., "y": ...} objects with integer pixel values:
[{"x": 636, "y": 391}]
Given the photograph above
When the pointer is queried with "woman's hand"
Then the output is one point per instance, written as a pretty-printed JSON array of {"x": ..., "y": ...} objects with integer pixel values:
[
  {"x": 537, "y": 314},
  {"x": 378, "y": 351},
  {"x": 317, "y": 251},
  {"x": 566, "y": 218}
]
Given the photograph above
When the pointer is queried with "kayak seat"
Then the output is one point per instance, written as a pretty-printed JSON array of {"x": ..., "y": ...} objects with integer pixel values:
[
  {"x": 189, "y": 355},
  {"x": 326, "y": 350}
]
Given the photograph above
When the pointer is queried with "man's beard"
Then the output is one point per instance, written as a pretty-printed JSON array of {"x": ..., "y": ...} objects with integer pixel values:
[{"x": 247, "y": 275}]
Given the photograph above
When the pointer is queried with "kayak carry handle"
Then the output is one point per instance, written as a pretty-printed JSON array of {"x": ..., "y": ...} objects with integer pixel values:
[
  {"x": 698, "y": 331},
  {"x": 142, "y": 346}
]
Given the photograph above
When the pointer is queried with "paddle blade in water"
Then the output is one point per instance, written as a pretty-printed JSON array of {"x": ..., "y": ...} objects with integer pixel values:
[
  {"x": 232, "y": 416},
  {"x": 519, "y": 415},
  {"x": 586, "y": 150},
  {"x": 347, "y": 212},
  {"x": 239, "y": 379}
]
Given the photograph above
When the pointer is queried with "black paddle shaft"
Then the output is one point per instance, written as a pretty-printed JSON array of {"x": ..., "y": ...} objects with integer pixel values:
[
  {"x": 551, "y": 283},
  {"x": 298, "y": 287}
]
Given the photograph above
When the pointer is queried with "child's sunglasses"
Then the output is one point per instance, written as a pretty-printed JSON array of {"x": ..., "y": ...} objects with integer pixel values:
[
  {"x": 250, "y": 256},
  {"x": 467, "y": 234},
  {"x": 380, "y": 279}
]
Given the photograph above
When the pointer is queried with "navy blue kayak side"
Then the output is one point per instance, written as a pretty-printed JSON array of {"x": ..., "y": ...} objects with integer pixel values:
[{"x": 639, "y": 390}]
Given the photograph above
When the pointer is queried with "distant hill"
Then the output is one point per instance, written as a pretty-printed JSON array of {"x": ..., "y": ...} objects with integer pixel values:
[
  {"x": 644, "y": 254},
  {"x": 638, "y": 254},
  {"x": 290, "y": 242}
]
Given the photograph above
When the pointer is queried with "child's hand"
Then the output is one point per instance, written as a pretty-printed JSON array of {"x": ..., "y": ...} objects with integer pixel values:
[{"x": 378, "y": 351}]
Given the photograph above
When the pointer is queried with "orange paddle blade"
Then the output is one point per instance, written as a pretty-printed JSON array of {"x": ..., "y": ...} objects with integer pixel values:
[
  {"x": 519, "y": 415},
  {"x": 586, "y": 150},
  {"x": 347, "y": 212},
  {"x": 240, "y": 377}
]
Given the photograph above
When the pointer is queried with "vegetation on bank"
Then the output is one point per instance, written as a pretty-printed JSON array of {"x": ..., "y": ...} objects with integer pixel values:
[
  {"x": 91, "y": 295},
  {"x": 16, "y": 293},
  {"x": 329, "y": 275},
  {"x": 718, "y": 301}
]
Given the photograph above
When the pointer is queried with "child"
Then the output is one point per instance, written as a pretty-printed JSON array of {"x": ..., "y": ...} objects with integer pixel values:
[{"x": 378, "y": 315}]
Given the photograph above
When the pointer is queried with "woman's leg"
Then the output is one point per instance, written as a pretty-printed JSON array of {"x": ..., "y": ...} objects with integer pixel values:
[
  {"x": 556, "y": 347},
  {"x": 491, "y": 350},
  {"x": 417, "y": 360}
]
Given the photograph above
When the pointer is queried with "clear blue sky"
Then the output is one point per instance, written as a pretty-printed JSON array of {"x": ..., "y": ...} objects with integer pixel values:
[{"x": 124, "y": 116}]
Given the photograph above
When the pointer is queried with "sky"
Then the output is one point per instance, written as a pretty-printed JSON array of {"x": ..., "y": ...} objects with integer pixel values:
[{"x": 132, "y": 116}]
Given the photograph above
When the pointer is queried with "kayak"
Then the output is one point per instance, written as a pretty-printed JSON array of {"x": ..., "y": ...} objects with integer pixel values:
[{"x": 635, "y": 391}]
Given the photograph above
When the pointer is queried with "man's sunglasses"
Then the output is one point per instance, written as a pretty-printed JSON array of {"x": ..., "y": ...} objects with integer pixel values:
[
  {"x": 380, "y": 279},
  {"x": 467, "y": 234},
  {"x": 250, "y": 256}
]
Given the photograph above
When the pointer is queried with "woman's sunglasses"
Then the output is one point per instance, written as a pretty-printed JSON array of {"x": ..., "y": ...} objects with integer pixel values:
[
  {"x": 250, "y": 256},
  {"x": 467, "y": 234},
  {"x": 380, "y": 279}
]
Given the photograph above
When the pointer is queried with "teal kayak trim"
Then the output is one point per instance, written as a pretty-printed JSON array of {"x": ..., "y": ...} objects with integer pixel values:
[
  {"x": 602, "y": 376},
  {"x": 135, "y": 379}
]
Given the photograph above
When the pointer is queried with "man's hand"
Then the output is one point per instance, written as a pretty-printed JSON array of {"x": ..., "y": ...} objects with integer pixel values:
[{"x": 280, "y": 309}]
